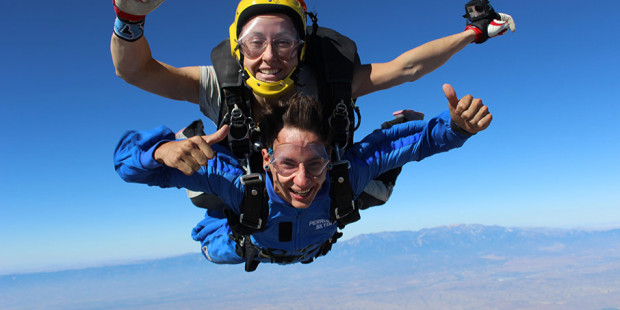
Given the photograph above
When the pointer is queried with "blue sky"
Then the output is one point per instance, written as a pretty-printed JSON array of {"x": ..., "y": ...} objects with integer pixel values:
[{"x": 549, "y": 159}]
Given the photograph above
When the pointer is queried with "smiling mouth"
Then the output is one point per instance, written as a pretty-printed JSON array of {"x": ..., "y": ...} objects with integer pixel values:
[
  {"x": 269, "y": 72},
  {"x": 301, "y": 194}
]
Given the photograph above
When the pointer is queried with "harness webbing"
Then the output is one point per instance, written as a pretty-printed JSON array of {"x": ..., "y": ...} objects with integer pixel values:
[
  {"x": 343, "y": 207},
  {"x": 251, "y": 217},
  {"x": 252, "y": 253},
  {"x": 334, "y": 60}
]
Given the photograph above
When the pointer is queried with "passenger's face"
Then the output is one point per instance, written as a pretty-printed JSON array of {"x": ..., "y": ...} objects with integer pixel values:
[
  {"x": 269, "y": 66},
  {"x": 297, "y": 166}
]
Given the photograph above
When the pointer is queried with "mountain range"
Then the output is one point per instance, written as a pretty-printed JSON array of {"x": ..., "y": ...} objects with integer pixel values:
[{"x": 450, "y": 267}]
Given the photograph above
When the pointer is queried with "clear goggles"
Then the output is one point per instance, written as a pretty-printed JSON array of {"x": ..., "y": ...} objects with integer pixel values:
[
  {"x": 286, "y": 159},
  {"x": 256, "y": 36}
]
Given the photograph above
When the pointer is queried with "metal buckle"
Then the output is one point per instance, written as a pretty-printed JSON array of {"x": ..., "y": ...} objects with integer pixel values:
[
  {"x": 252, "y": 177},
  {"x": 337, "y": 212},
  {"x": 250, "y": 225}
]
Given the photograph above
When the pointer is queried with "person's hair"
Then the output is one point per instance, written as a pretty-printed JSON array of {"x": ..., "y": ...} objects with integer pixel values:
[{"x": 301, "y": 112}]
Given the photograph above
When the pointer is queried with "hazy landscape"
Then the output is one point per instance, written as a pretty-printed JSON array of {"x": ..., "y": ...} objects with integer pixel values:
[{"x": 452, "y": 267}]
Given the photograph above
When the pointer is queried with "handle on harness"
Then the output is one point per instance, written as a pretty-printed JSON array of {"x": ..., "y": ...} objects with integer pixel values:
[
  {"x": 239, "y": 134},
  {"x": 339, "y": 124}
]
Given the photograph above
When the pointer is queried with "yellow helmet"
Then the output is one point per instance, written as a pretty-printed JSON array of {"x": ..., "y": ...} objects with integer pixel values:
[{"x": 295, "y": 10}]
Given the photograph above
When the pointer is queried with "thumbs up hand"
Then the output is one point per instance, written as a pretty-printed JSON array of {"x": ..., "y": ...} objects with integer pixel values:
[
  {"x": 468, "y": 113},
  {"x": 190, "y": 154}
]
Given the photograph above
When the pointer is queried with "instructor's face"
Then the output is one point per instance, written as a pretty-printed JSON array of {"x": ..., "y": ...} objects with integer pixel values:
[{"x": 271, "y": 65}]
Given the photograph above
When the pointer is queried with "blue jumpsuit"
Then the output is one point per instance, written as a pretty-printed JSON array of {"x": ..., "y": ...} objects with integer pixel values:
[{"x": 380, "y": 151}]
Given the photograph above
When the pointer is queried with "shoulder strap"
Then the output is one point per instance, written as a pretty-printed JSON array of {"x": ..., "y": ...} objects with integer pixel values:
[
  {"x": 231, "y": 78},
  {"x": 334, "y": 58},
  {"x": 236, "y": 111},
  {"x": 228, "y": 69},
  {"x": 253, "y": 218},
  {"x": 236, "y": 108},
  {"x": 338, "y": 53},
  {"x": 343, "y": 208}
]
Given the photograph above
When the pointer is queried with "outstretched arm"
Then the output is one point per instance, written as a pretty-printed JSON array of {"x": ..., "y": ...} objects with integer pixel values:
[
  {"x": 409, "y": 66},
  {"x": 424, "y": 59},
  {"x": 386, "y": 149},
  {"x": 134, "y": 62},
  {"x": 135, "y": 162}
]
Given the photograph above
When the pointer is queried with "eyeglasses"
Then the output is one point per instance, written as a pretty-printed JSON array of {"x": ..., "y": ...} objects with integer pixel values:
[
  {"x": 284, "y": 159},
  {"x": 284, "y": 46}
]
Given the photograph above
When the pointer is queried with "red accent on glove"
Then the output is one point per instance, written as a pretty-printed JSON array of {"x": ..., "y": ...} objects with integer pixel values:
[
  {"x": 477, "y": 31},
  {"x": 127, "y": 16},
  {"x": 498, "y": 24}
]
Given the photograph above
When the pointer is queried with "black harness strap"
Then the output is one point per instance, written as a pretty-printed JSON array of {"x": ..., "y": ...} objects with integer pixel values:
[
  {"x": 237, "y": 113},
  {"x": 253, "y": 218},
  {"x": 236, "y": 110},
  {"x": 229, "y": 71},
  {"x": 254, "y": 211},
  {"x": 335, "y": 56},
  {"x": 251, "y": 253},
  {"x": 343, "y": 207}
]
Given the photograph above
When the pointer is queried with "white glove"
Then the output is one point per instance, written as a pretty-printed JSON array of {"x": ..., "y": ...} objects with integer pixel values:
[
  {"x": 488, "y": 28},
  {"x": 135, "y": 9},
  {"x": 498, "y": 27}
]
